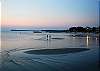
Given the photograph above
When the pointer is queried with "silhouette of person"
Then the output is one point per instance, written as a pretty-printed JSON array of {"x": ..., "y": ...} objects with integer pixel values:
[{"x": 47, "y": 37}]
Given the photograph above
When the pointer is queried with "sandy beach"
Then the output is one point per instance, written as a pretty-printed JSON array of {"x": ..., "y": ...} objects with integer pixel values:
[
  {"x": 67, "y": 59},
  {"x": 28, "y": 52},
  {"x": 56, "y": 51},
  {"x": 49, "y": 35}
]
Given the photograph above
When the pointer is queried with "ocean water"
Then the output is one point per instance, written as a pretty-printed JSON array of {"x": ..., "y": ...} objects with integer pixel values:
[
  {"x": 14, "y": 44},
  {"x": 12, "y": 40}
]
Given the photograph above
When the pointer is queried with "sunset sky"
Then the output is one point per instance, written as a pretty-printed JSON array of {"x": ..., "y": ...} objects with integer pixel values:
[{"x": 49, "y": 13}]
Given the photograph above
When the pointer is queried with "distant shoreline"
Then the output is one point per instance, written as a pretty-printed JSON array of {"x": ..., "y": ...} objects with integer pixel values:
[
  {"x": 72, "y": 29},
  {"x": 40, "y": 31},
  {"x": 51, "y": 31}
]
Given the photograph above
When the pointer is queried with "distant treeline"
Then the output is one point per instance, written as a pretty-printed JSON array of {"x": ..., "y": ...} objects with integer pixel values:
[{"x": 86, "y": 29}]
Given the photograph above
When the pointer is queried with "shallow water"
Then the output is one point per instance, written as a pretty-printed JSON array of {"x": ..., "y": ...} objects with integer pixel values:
[
  {"x": 20, "y": 40},
  {"x": 14, "y": 44}
]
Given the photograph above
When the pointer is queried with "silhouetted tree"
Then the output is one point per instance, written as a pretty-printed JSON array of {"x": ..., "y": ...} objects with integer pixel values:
[
  {"x": 72, "y": 29},
  {"x": 86, "y": 29}
]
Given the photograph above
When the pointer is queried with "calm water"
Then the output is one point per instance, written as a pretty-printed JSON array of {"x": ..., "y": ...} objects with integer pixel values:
[
  {"x": 22, "y": 40},
  {"x": 13, "y": 45}
]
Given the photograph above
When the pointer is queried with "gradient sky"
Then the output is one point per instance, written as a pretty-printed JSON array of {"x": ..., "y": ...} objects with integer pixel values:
[{"x": 50, "y": 13}]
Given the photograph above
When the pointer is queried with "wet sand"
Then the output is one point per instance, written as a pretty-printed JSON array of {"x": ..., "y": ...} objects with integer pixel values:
[
  {"x": 56, "y": 51},
  {"x": 77, "y": 53},
  {"x": 65, "y": 59}
]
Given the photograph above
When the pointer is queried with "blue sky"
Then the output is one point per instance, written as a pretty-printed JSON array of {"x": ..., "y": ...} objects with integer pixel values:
[{"x": 50, "y": 13}]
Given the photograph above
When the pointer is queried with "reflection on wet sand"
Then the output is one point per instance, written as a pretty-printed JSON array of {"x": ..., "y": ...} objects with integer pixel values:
[
  {"x": 56, "y": 51},
  {"x": 87, "y": 40}
]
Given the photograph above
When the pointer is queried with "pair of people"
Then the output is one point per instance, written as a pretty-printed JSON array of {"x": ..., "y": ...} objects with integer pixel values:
[{"x": 48, "y": 37}]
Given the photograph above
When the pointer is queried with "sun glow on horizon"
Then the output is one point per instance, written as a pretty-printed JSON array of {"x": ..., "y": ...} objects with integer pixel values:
[{"x": 49, "y": 13}]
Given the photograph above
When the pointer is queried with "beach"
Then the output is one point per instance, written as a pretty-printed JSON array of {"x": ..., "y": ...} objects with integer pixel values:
[
  {"x": 49, "y": 35},
  {"x": 26, "y": 51}
]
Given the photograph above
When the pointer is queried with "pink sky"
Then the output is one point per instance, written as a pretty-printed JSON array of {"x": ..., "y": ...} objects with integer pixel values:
[{"x": 54, "y": 13}]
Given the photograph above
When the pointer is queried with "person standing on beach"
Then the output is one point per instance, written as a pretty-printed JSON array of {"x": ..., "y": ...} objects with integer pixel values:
[{"x": 47, "y": 37}]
